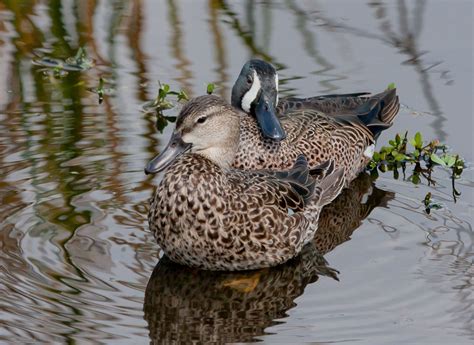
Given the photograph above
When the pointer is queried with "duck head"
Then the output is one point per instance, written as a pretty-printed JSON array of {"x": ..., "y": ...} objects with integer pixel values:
[
  {"x": 256, "y": 92},
  {"x": 206, "y": 125}
]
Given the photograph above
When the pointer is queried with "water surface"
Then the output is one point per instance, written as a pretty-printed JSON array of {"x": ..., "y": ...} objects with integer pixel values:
[{"x": 77, "y": 261}]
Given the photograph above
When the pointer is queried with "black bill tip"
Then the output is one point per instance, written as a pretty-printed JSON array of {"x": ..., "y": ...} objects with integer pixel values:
[{"x": 267, "y": 119}]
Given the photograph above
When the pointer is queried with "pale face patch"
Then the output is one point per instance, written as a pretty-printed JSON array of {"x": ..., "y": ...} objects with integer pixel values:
[
  {"x": 369, "y": 151},
  {"x": 251, "y": 94}
]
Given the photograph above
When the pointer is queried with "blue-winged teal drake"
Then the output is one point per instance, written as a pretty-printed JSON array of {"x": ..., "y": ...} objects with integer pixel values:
[
  {"x": 256, "y": 92},
  {"x": 339, "y": 127},
  {"x": 206, "y": 214}
]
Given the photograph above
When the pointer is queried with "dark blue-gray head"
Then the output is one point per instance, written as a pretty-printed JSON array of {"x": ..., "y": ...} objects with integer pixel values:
[{"x": 256, "y": 92}]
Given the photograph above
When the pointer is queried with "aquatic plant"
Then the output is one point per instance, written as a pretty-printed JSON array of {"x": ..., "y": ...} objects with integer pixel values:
[
  {"x": 430, "y": 204},
  {"x": 210, "y": 88},
  {"x": 161, "y": 103},
  {"x": 101, "y": 90},
  {"x": 424, "y": 157},
  {"x": 60, "y": 68}
]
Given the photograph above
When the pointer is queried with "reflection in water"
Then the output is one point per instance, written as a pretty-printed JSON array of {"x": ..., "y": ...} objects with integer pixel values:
[
  {"x": 309, "y": 45},
  {"x": 75, "y": 253},
  {"x": 405, "y": 42},
  {"x": 408, "y": 41},
  {"x": 176, "y": 44},
  {"x": 246, "y": 35},
  {"x": 184, "y": 305},
  {"x": 220, "y": 52}
]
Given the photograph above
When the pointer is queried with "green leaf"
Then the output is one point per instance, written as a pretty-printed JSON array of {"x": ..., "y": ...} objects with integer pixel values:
[
  {"x": 161, "y": 94},
  {"x": 400, "y": 157},
  {"x": 436, "y": 159},
  {"x": 418, "y": 140},
  {"x": 391, "y": 86},
  {"x": 161, "y": 122},
  {"x": 415, "y": 179},
  {"x": 376, "y": 157},
  {"x": 450, "y": 160},
  {"x": 171, "y": 118},
  {"x": 182, "y": 96},
  {"x": 210, "y": 88},
  {"x": 427, "y": 199}
]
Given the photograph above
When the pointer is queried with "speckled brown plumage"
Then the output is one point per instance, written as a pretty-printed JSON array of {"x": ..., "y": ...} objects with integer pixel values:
[
  {"x": 342, "y": 136},
  {"x": 205, "y": 216},
  {"x": 184, "y": 305}
]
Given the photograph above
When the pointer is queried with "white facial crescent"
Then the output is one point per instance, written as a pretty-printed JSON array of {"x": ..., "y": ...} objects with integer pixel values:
[{"x": 251, "y": 94}]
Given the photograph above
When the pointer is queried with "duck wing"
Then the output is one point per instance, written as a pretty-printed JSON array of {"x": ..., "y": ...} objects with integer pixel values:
[
  {"x": 328, "y": 104},
  {"x": 375, "y": 112},
  {"x": 294, "y": 188}
]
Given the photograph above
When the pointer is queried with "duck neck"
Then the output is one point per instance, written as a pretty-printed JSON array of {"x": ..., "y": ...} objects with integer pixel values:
[
  {"x": 223, "y": 157},
  {"x": 225, "y": 149}
]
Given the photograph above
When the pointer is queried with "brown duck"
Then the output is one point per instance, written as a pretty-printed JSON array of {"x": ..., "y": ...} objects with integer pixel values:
[{"x": 206, "y": 214}]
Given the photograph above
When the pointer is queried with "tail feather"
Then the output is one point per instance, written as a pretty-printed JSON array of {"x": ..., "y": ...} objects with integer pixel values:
[
  {"x": 322, "y": 170},
  {"x": 322, "y": 183},
  {"x": 330, "y": 184},
  {"x": 379, "y": 111},
  {"x": 298, "y": 177},
  {"x": 390, "y": 109}
]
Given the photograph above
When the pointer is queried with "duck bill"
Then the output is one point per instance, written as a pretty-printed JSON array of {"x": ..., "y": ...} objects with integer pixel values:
[
  {"x": 269, "y": 124},
  {"x": 175, "y": 148}
]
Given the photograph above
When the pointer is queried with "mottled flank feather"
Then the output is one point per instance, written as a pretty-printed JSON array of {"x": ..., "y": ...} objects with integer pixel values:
[{"x": 219, "y": 219}]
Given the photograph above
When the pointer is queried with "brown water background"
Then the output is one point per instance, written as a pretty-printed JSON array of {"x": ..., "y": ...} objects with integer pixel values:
[{"x": 76, "y": 254}]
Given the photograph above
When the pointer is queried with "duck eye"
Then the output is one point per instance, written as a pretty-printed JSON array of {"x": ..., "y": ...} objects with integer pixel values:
[
  {"x": 249, "y": 80},
  {"x": 201, "y": 119}
]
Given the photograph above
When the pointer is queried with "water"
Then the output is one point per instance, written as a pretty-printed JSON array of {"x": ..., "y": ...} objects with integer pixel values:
[{"x": 77, "y": 262}]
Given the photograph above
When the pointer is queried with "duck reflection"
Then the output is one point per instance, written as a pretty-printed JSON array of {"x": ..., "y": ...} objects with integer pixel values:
[{"x": 184, "y": 305}]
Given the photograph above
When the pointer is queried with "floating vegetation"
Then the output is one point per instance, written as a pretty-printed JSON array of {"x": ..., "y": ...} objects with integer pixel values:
[
  {"x": 430, "y": 204},
  {"x": 424, "y": 157},
  {"x": 101, "y": 90},
  {"x": 80, "y": 60},
  {"x": 60, "y": 68},
  {"x": 161, "y": 103}
]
